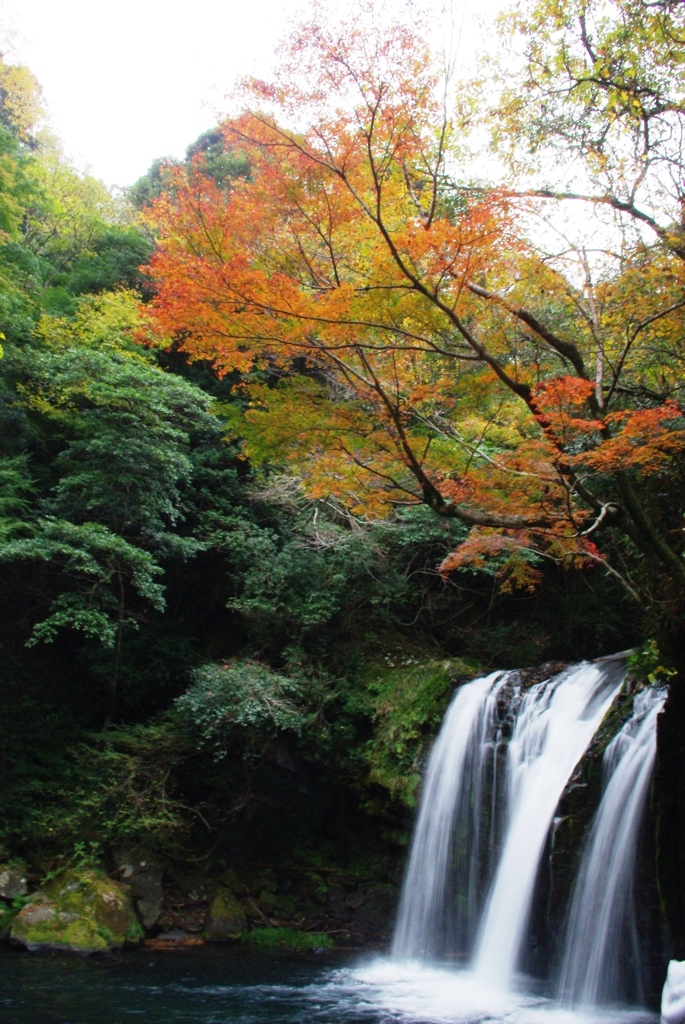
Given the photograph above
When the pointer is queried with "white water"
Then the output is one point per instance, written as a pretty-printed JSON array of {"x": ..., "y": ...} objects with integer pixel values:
[
  {"x": 555, "y": 726},
  {"x": 485, "y": 817},
  {"x": 411, "y": 993},
  {"x": 461, "y": 762},
  {"x": 601, "y": 936}
]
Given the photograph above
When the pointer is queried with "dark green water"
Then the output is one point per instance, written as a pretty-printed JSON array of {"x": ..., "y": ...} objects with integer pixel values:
[
  {"x": 215, "y": 986},
  {"x": 224, "y": 985}
]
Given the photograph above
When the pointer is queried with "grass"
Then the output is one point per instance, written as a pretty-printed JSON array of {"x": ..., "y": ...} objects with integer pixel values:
[{"x": 287, "y": 938}]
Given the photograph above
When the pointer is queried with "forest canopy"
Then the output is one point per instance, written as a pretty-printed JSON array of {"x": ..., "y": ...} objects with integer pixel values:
[{"x": 404, "y": 333}]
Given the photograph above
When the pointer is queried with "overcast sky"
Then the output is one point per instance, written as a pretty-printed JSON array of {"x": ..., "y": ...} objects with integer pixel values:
[{"x": 129, "y": 81}]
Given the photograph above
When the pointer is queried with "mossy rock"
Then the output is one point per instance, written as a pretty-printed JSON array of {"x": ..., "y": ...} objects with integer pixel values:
[
  {"x": 12, "y": 880},
  {"x": 408, "y": 694},
  {"x": 225, "y": 920},
  {"x": 81, "y": 910}
]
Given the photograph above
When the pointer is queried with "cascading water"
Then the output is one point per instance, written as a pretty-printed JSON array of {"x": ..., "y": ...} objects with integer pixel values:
[
  {"x": 554, "y": 728},
  {"x": 462, "y": 763},
  {"x": 601, "y": 943},
  {"x": 493, "y": 783}
]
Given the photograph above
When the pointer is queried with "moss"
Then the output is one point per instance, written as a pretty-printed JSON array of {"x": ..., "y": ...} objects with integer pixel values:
[
  {"x": 408, "y": 697},
  {"x": 80, "y": 910},
  {"x": 285, "y": 905},
  {"x": 7, "y": 915},
  {"x": 287, "y": 938},
  {"x": 225, "y": 919}
]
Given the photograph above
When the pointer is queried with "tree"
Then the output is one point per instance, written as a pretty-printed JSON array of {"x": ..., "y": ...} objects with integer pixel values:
[
  {"x": 404, "y": 340},
  {"x": 95, "y": 544},
  {"x": 599, "y": 97},
  {"x": 21, "y": 109}
]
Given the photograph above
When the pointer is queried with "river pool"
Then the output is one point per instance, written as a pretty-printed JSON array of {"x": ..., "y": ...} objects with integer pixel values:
[{"x": 222, "y": 985}]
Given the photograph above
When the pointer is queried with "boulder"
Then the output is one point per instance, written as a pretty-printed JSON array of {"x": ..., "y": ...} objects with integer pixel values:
[
  {"x": 142, "y": 870},
  {"x": 12, "y": 881},
  {"x": 225, "y": 920},
  {"x": 81, "y": 910}
]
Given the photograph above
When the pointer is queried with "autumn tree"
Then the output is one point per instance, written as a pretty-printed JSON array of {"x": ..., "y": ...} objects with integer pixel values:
[
  {"x": 596, "y": 98},
  {"x": 403, "y": 337}
]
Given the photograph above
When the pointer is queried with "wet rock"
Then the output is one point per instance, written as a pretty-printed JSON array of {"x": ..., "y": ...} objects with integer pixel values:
[
  {"x": 225, "y": 920},
  {"x": 83, "y": 911},
  {"x": 338, "y": 902},
  {"x": 200, "y": 888},
  {"x": 12, "y": 881},
  {"x": 193, "y": 920},
  {"x": 174, "y": 939},
  {"x": 355, "y": 900},
  {"x": 375, "y": 915},
  {"x": 142, "y": 870}
]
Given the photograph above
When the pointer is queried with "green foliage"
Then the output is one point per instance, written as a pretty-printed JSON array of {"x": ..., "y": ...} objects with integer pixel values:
[
  {"x": 299, "y": 583},
  {"x": 112, "y": 261},
  {"x": 15, "y": 486},
  {"x": 407, "y": 696},
  {"x": 287, "y": 938},
  {"x": 129, "y": 422},
  {"x": 306, "y": 575},
  {"x": 240, "y": 695},
  {"x": 88, "y": 795},
  {"x": 646, "y": 664},
  {"x": 151, "y": 184},
  {"x": 93, "y": 559},
  {"x": 14, "y": 185},
  {"x": 210, "y": 155},
  {"x": 20, "y": 102},
  {"x": 112, "y": 511},
  {"x": 7, "y": 915}
]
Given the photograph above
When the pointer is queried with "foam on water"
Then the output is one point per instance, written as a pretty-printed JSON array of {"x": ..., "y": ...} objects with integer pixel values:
[{"x": 416, "y": 992}]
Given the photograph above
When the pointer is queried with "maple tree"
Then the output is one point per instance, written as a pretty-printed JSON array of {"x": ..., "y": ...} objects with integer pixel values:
[{"x": 400, "y": 337}]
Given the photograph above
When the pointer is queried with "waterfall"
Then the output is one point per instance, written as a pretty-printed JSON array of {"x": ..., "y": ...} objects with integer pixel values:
[
  {"x": 554, "y": 728},
  {"x": 502, "y": 760},
  {"x": 451, "y": 814},
  {"x": 601, "y": 942}
]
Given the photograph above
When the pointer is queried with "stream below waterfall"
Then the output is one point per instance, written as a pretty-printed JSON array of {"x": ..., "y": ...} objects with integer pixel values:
[{"x": 231, "y": 986}]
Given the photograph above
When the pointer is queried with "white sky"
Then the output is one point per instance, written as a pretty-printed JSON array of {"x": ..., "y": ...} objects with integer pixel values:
[{"x": 130, "y": 80}]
